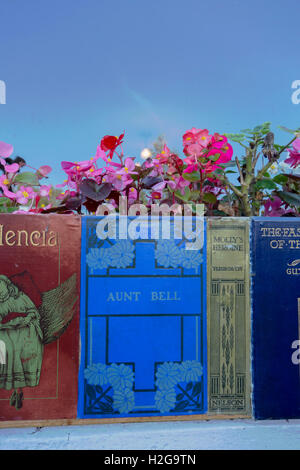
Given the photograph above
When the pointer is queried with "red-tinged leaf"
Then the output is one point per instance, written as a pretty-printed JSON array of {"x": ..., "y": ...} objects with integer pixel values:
[{"x": 92, "y": 190}]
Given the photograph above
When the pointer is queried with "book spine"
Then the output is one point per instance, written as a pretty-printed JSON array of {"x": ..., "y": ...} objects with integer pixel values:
[{"x": 228, "y": 316}]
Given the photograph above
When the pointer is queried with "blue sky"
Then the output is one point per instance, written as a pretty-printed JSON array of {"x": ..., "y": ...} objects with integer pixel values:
[{"x": 76, "y": 70}]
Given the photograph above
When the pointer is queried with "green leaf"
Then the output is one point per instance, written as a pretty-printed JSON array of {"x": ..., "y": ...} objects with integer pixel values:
[
  {"x": 27, "y": 177},
  {"x": 193, "y": 177},
  {"x": 4, "y": 200},
  {"x": 194, "y": 195},
  {"x": 247, "y": 131},
  {"x": 7, "y": 210},
  {"x": 280, "y": 179},
  {"x": 290, "y": 131},
  {"x": 210, "y": 198},
  {"x": 292, "y": 199},
  {"x": 184, "y": 197},
  {"x": 228, "y": 164},
  {"x": 214, "y": 157},
  {"x": 265, "y": 184}
]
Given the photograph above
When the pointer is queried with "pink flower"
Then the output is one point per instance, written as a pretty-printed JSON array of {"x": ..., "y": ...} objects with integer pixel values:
[
  {"x": 294, "y": 158},
  {"x": 5, "y": 185},
  {"x": 180, "y": 184},
  {"x": 45, "y": 191},
  {"x": 66, "y": 194},
  {"x": 191, "y": 168},
  {"x": 164, "y": 155},
  {"x": 150, "y": 163},
  {"x": 107, "y": 159},
  {"x": 76, "y": 171},
  {"x": 221, "y": 147},
  {"x": 155, "y": 195},
  {"x": 75, "y": 168},
  {"x": 193, "y": 136},
  {"x": 160, "y": 186},
  {"x": 193, "y": 149},
  {"x": 199, "y": 145},
  {"x": 43, "y": 171},
  {"x": 5, "y": 150},
  {"x": 132, "y": 195},
  {"x": 13, "y": 168},
  {"x": 120, "y": 178},
  {"x": 273, "y": 207},
  {"x": 195, "y": 140},
  {"x": 24, "y": 194},
  {"x": 128, "y": 168}
]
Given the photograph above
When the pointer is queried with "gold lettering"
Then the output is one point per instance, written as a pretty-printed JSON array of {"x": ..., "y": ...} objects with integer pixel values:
[
  {"x": 44, "y": 238},
  {"x": 32, "y": 235},
  {"x": 25, "y": 238},
  {"x": 9, "y": 235},
  {"x": 277, "y": 244},
  {"x": 52, "y": 236},
  {"x": 294, "y": 244},
  {"x": 20, "y": 237}
]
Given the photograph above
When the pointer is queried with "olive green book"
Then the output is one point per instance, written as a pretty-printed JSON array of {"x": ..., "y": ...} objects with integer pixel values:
[{"x": 228, "y": 316}]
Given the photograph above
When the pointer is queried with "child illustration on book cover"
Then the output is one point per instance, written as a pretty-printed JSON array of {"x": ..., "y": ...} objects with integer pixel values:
[{"x": 28, "y": 321}]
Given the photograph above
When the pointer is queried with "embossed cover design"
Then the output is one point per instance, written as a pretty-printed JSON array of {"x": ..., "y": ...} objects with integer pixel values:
[
  {"x": 275, "y": 257},
  {"x": 39, "y": 316},
  {"x": 143, "y": 327},
  {"x": 228, "y": 316}
]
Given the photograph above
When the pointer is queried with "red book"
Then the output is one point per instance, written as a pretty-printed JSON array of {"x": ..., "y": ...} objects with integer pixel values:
[{"x": 39, "y": 316}]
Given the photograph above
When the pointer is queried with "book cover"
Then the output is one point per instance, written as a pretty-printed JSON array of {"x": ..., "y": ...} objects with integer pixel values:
[
  {"x": 275, "y": 256},
  {"x": 228, "y": 316},
  {"x": 143, "y": 325},
  {"x": 39, "y": 316}
]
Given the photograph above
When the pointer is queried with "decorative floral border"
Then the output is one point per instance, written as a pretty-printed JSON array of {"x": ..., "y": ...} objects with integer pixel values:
[
  {"x": 167, "y": 254},
  {"x": 120, "y": 255},
  {"x": 178, "y": 387},
  {"x": 101, "y": 380}
]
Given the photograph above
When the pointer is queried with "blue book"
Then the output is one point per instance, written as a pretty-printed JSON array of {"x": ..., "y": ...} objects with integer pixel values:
[
  {"x": 143, "y": 322},
  {"x": 275, "y": 256}
]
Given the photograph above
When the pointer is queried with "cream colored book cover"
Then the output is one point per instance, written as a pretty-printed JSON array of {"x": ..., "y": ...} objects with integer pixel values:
[{"x": 228, "y": 316}]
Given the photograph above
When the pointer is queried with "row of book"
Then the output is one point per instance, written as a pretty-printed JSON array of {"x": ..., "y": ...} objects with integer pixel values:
[{"x": 132, "y": 318}]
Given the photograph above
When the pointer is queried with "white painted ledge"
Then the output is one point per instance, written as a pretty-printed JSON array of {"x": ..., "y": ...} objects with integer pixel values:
[{"x": 196, "y": 435}]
